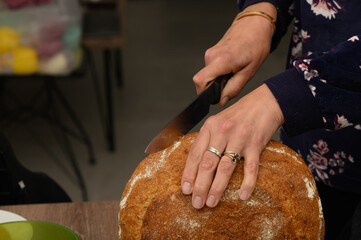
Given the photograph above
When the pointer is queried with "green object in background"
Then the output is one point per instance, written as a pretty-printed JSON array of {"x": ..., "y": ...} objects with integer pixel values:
[
  {"x": 71, "y": 37},
  {"x": 35, "y": 230}
]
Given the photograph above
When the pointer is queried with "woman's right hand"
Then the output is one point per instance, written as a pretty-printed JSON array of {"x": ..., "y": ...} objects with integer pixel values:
[{"x": 241, "y": 51}]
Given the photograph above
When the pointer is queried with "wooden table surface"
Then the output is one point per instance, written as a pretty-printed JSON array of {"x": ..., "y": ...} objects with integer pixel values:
[{"x": 89, "y": 220}]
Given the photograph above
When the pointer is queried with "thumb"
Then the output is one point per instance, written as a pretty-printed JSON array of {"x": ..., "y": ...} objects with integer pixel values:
[{"x": 209, "y": 73}]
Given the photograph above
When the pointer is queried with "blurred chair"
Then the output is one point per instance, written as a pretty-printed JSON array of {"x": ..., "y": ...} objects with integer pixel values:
[
  {"x": 45, "y": 103},
  {"x": 18, "y": 185},
  {"x": 104, "y": 30}
]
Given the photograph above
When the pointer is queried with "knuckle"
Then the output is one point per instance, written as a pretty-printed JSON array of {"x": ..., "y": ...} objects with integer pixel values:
[
  {"x": 219, "y": 54},
  {"x": 222, "y": 125},
  {"x": 251, "y": 168},
  {"x": 249, "y": 185},
  {"x": 207, "y": 162},
  {"x": 208, "y": 54},
  {"x": 210, "y": 122},
  {"x": 202, "y": 128},
  {"x": 246, "y": 57},
  {"x": 193, "y": 156},
  {"x": 218, "y": 191},
  {"x": 199, "y": 189},
  {"x": 225, "y": 56},
  {"x": 226, "y": 168},
  {"x": 188, "y": 177},
  {"x": 226, "y": 125},
  {"x": 243, "y": 132},
  {"x": 197, "y": 81},
  {"x": 258, "y": 140},
  {"x": 233, "y": 92}
]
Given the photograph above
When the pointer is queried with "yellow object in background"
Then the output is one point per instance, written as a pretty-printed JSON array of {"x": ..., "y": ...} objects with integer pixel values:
[
  {"x": 25, "y": 60},
  {"x": 9, "y": 39},
  {"x": 20, "y": 61}
]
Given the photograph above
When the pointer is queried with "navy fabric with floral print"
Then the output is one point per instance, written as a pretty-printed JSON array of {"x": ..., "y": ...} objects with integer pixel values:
[{"x": 320, "y": 93}]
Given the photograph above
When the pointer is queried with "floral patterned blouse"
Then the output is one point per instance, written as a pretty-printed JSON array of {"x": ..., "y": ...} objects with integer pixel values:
[{"x": 320, "y": 92}]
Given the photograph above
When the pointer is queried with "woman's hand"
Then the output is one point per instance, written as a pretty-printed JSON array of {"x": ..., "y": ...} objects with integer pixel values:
[
  {"x": 241, "y": 51},
  {"x": 245, "y": 128}
]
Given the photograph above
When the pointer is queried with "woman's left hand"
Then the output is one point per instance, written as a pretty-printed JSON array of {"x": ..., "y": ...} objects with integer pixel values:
[{"x": 244, "y": 128}]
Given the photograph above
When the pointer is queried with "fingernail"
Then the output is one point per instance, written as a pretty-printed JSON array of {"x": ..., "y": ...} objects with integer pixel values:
[
  {"x": 197, "y": 202},
  {"x": 244, "y": 195},
  {"x": 224, "y": 101},
  {"x": 210, "y": 201},
  {"x": 186, "y": 188}
]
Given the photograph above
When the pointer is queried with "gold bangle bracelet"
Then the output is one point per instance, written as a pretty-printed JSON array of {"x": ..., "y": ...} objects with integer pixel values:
[{"x": 256, "y": 13}]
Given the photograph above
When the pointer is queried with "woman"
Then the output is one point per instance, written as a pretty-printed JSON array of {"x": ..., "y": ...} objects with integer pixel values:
[{"x": 317, "y": 101}]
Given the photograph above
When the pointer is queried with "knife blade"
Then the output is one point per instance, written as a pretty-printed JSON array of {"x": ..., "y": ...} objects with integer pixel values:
[{"x": 190, "y": 116}]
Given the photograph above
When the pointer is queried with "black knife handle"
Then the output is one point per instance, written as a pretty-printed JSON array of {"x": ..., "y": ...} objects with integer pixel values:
[{"x": 217, "y": 87}]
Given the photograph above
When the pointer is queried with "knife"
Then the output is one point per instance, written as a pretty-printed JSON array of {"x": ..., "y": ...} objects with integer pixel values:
[{"x": 190, "y": 116}]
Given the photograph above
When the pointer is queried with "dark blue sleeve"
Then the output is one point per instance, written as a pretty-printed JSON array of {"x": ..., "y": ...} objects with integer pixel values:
[
  {"x": 298, "y": 106},
  {"x": 322, "y": 90},
  {"x": 284, "y": 16}
]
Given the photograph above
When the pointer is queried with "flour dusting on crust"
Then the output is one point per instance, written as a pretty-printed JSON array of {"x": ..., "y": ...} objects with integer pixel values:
[
  {"x": 119, "y": 228},
  {"x": 253, "y": 203},
  {"x": 283, "y": 151},
  {"x": 230, "y": 194},
  {"x": 187, "y": 224},
  {"x": 311, "y": 189},
  {"x": 320, "y": 215},
  {"x": 270, "y": 228},
  {"x": 149, "y": 171}
]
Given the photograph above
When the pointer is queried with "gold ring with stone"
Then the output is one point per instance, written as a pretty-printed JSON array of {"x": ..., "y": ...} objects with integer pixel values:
[
  {"x": 233, "y": 156},
  {"x": 215, "y": 151}
]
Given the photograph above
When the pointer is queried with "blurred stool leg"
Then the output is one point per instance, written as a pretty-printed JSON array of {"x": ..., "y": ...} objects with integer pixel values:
[
  {"x": 77, "y": 123},
  {"x": 70, "y": 152},
  {"x": 118, "y": 63},
  {"x": 97, "y": 87},
  {"x": 109, "y": 99}
]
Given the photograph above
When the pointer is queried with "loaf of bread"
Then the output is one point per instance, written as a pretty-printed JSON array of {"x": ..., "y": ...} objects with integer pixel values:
[{"x": 284, "y": 205}]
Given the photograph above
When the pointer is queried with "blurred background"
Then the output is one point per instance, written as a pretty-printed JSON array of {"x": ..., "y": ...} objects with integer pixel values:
[{"x": 157, "y": 47}]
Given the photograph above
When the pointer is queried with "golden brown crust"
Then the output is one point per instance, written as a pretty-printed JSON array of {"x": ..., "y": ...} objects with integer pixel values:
[{"x": 284, "y": 205}]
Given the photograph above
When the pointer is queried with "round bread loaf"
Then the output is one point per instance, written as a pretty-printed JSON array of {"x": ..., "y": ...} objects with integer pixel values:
[{"x": 284, "y": 205}]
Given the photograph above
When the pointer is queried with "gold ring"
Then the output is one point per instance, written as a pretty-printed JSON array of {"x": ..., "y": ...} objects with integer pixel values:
[
  {"x": 215, "y": 151},
  {"x": 233, "y": 156}
]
